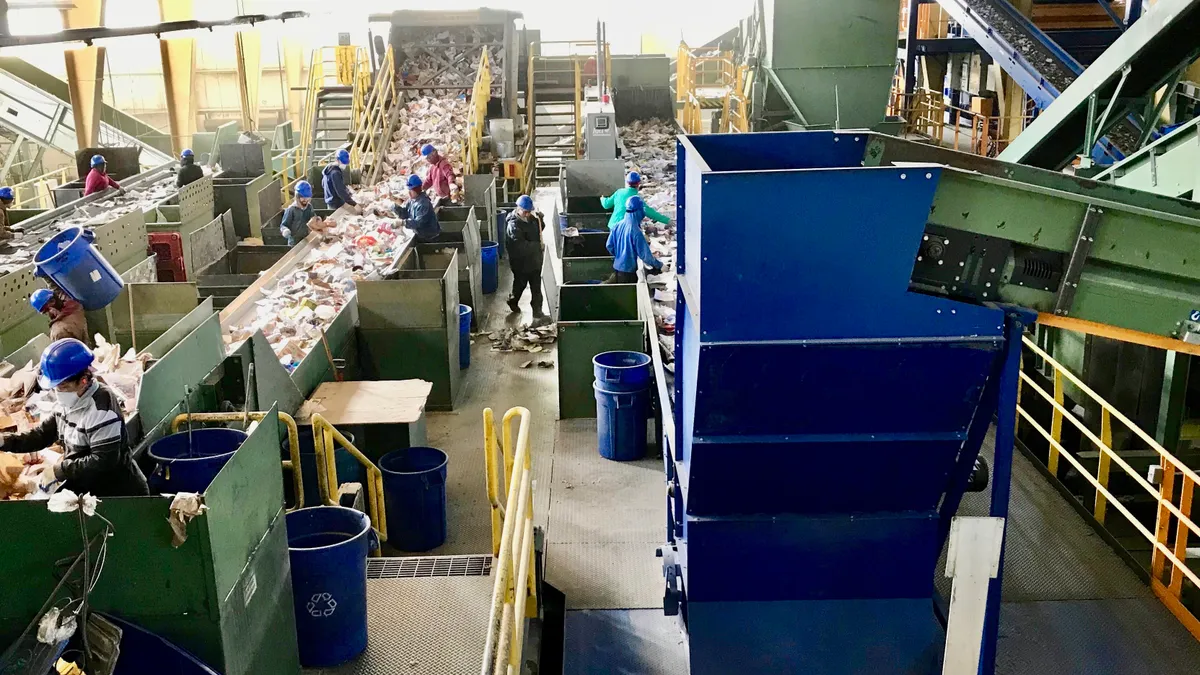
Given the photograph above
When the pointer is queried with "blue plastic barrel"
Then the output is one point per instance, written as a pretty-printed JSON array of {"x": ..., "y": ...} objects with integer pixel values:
[
  {"x": 621, "y": 423},
  {"x": 491, "y": 266},
  {"x": 414, "y": 494},
  {"x": 349, "y": 470},
  {"x": 622, "y": 371},
  {"x": 502, "y": 227},
  {"x": 145, "y": 652},
  {"x": 190, "y": 466},
  {"x": 72, "y": 262},
  {"x": 328, "y": 547},
  {"x": 464, "y": 336}
]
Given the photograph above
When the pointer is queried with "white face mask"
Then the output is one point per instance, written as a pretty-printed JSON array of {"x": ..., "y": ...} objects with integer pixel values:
[{"x": 66, "y": 399}]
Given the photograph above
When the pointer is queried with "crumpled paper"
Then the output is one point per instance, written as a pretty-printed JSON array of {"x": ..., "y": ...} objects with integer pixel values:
[
  {"x": 66, "y": 501},
  {"x": 184, "y": 507},
  {"x": 56, "y": 626}
]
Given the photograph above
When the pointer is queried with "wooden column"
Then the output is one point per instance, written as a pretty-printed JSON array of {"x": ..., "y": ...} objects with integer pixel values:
[
  {"x": 179, "y": 74},
  {"x": 85, "y": 73},
  {"x": 249, "y": 70}
]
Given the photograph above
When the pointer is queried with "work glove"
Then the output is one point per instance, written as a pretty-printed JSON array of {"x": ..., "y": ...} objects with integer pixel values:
[{"x": 287, "y": 234}]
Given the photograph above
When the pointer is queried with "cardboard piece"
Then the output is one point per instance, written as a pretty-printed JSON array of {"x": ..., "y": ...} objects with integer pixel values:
[{"x": 374, "y": 402}]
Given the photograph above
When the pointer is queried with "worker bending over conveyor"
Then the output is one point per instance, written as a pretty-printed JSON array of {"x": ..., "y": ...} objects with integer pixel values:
[
  {"x": 87, "y": 423},
  {"x": 67, "y": 319},
  {"x": 618, "y": 199},
  {"x": 627, "y": 243},
  {"x": 417, "y": 213},
  {"x": 299, "y": 217},
  {"x": 440, "y": 180},
  {"x": 98, "y": 179},
  {"x": 189, "y": 171},
  {"x": 524, "y": 245},
  {"x": 333, "y": 183}
]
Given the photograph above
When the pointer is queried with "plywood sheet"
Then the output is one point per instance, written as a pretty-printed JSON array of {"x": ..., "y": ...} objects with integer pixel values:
[{"x": 378, "y": 402}]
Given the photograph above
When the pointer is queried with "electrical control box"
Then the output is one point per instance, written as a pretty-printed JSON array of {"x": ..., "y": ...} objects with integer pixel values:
[{"x": 600, "y": 131}]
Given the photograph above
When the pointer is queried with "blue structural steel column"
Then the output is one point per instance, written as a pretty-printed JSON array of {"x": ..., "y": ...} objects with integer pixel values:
[
  {"x": 179, "y": 71},
  {"x": 85, "y": 72}
]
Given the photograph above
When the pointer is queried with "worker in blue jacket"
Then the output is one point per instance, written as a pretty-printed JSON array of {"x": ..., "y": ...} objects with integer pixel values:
[
  {"x": 417, "y": 213},
  {"x": 299, "y": 218},
  {"x": 627, "y": 243},
  {"x": 333, "y": 183}
]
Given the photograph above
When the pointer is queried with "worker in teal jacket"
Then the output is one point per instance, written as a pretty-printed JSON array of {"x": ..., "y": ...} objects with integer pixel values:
[
  {"x": 618, "y": 199},
  {"x": 627, "y": 243}
]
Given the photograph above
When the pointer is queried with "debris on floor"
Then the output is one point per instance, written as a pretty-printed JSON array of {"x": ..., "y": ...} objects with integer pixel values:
[{"x": 532, "y": 339}]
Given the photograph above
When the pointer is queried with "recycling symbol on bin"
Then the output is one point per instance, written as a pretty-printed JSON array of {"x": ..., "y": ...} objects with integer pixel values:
[{"x": 321, "y": 604}]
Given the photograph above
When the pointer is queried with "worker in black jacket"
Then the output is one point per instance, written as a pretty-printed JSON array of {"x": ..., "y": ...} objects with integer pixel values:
[
  {"x": 189, "y": 172},
  {"x": 87, "y": 423},
  {"x": 523, "y": 230}
]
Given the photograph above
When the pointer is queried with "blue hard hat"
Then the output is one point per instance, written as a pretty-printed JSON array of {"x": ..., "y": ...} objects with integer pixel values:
[
  {"x": 6, "y": 193},
  {"x": 427, "y": 150},
  {"x": 63, "y": 360},
  {"x": 414, "y": 182},
  {"x": 343, "y": 156},
  {"x": 97, "y": 160},
  {"x": 635, "y": 203},
  {"x": 633, "y": 178},
  {"x": 40, "y": 298},
  {"x": 187, "y": 152},
  {"x": 525, "y": 202},
  {"x": 304, "y": 189}
]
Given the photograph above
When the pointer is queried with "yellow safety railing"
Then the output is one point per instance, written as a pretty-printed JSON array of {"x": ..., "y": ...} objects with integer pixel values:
[
  {"x": 710, "y": 80},
  {"x": 1174, "y": 492},
  {"x": 291, "y": 464},
  {"x": 481, "y": 93},
  {"x": 976, "y": 131},
  {"x": 326, "y": 439},
  {"x": 38, "y": 192},
  {"x": 331, "y": 66},
  {"x": 514, "y": 593},
  {"x": 369, "y": 127},
  {"x": 735, "y": 113}
]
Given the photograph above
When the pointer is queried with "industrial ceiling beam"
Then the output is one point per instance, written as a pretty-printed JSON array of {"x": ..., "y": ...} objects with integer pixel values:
[
  {"x": 87, "y": 35},
  {"x": 85, "y": 72},
  {"x": 179, "y": 72}
]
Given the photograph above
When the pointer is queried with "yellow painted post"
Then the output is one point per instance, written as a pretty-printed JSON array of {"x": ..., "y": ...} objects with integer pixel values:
[
  {"x": 1182, "y": 532},
  {"x": 1105, "y": 465},
  {"x": 1162, "y": 525},
  {"x": 85, "y": 73},
  {"x": 1056, "y": 423},
  {"x": 179, "y": 73},
  {"x": 493, "y": 481},
  {"x": 248, "y": 47}
]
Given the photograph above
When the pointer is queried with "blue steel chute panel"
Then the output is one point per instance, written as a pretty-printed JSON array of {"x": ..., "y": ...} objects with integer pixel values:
[{"x": 827, "y": 416}]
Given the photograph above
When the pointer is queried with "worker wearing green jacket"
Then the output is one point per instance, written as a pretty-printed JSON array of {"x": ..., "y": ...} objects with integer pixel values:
[{"x": 617, "y": 201}]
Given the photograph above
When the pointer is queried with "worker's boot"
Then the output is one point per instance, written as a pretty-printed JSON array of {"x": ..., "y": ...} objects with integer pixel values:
[{"x": 513, "y": 305}]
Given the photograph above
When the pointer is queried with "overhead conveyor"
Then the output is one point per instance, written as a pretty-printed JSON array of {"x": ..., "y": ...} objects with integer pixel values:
[
  {"x": 1169, "y": 166},
  {"x": 1120, "y": 83}
]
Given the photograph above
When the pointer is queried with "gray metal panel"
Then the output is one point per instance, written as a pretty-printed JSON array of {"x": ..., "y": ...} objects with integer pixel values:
[
  {"x": 592, "y": 177},
  {"x": 207, "y": 245},
  {"x": 401, "y": 304},
  {"x": 1170, "y": 166}
]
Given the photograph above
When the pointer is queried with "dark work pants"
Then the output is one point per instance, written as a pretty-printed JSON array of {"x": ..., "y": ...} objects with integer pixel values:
[
  {"x": 622, "y": 278},
  {"x": 534, "y": 281}
]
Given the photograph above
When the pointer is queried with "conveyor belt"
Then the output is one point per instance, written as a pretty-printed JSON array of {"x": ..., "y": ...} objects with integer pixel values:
[{"x": 1070, "y": 604}]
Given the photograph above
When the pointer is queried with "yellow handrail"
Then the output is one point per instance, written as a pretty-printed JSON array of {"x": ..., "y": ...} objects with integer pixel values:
[
  {"x": 326, "y": 438},
  {"x": 42, "y": 187},
  {"x": 514, "y": 593},
  {"x": 481, "y": 93},
  {"x": 1167, "y": 584},
  {"x": 292, "y": 464},
  {"x": 369, "y": 128},
  {"x": 331, "y": 66}
]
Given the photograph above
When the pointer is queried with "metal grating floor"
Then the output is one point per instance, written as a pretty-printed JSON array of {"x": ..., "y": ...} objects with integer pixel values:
[
  {"x": 423, "y": 625},
  {"x": 444, "y": 566}
]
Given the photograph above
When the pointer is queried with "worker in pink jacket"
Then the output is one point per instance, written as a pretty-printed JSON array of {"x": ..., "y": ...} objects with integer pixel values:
[
  {"x": 439, "y": 182},
  {"x": 98, "y": 179}
]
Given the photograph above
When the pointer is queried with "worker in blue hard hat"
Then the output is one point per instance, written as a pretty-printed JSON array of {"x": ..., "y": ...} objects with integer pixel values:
[
  {"x": 617, "y": 200},
  {"x": 417, "y": 213},
  {"x": 87, "y": 423},
  {"x": 333, "y": 184},
  {"x": 523, "y": 230},
  {"x": 7, "y": 198},
  {"x": 67, "y": 319},
  {"x": 98, "y": 179},
  {"x": 627, "y": 243},
  {"x": 299, "y": 218},
  {"x": 440, "y": 181},
  {"x": 189, "y": 171}
]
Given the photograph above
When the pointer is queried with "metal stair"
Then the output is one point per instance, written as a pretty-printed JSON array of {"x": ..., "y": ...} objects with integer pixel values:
[
  {"x": 333, "y": 120},
  {"x": 556, "y": 115}
]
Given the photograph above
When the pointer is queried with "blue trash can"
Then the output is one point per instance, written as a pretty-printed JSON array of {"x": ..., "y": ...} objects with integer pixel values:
[
  {"x": 414, "y": 494},
  {"x": 491, "y": 267},
  {"x": 328, "y": 547},
  {"x": 183, "y": 466},
  {"x": 72, "y": 262},
  {"x": 349, "y": 470},
  {"x": 502, "y": 227},
  {"x": 622, "y": 371},
  {"x": 464, "y": 336},
  {"x": 621, "y": 423}
]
